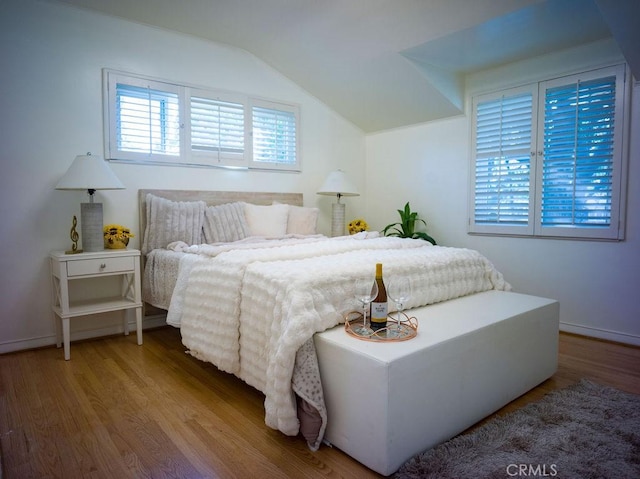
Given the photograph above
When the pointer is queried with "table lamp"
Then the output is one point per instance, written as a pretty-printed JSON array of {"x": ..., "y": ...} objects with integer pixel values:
[
  {"x": 339, "y": 185},
  {"x": 91, "y": 173}
]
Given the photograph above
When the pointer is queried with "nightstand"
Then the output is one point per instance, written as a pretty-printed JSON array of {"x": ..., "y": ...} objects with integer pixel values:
[{"x": 94, "y": 267}]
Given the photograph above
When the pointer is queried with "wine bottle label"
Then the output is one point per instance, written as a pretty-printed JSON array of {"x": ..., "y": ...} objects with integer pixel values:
[{"x": 379, "y": 315}]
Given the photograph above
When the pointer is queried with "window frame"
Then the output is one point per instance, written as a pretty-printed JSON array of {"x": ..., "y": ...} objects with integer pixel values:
[
  {"x": 188, "y": 155},
  {"x": 274, "y": 106},
  {"x": 112, "y": 152},
  {"x": 219, "y": 158},
  {"x": 502, "y": 229},
  {"x": 615, "y": 230},
  {"x": 534, "y": 228}
]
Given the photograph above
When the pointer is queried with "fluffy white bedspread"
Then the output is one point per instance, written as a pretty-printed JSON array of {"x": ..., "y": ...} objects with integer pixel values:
[{"x": 249, "y": 310}]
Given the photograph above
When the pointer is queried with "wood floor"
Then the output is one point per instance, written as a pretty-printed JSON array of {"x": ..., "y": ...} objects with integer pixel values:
[{"x": 118, "y": 410}]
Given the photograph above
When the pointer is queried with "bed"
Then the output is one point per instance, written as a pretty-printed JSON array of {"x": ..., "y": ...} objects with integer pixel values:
[{"x": 249, "y": 299}]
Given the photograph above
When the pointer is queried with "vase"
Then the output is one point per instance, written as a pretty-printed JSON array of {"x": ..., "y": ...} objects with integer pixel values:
[{"x": 115, "y": 243}]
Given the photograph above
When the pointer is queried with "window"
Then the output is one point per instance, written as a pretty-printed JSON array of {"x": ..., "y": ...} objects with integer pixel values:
[
  {"x": 275, "y": 135},
  {"x": 150, "y": 121},
  {"x": 502, "y": 162},
  {"x": 549, "y": 158},
  {"x": 146, "y": 120},
  {"x": 217, "y": 129}
]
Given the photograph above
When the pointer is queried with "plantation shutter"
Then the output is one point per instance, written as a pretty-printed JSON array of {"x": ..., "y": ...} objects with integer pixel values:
[
  {"x": 578, "y": 165},
  {"x": 217, "y": 128},
  {"x": 549, "y": 159},
  {"x": 147, "y": 120},
  {"x": 503, "y": 139},
  {"x": 275, "y": 135}
]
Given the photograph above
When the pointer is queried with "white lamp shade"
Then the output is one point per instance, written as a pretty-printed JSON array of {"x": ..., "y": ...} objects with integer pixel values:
[
  {"x": 337, "y": 184},
  {"x": 88, "y": 172}
]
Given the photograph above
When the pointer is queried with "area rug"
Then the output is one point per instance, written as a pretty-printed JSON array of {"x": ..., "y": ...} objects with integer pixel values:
[{"x": 584, "y": 431}]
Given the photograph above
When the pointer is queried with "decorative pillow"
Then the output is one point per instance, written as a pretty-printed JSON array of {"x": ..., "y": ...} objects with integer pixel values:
[
  {"x": 169, "y": 221},
  {"x": 269, "y": 221},
  {"x": 302, "y": 220},
  {"x": 225, "y": 223}
]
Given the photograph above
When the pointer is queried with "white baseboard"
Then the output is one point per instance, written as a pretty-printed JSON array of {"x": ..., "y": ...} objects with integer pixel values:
[
  {"x": 600, "y": 333},
  {"x": 32, "y": 343},
  {"x": 159, "y": 320}
]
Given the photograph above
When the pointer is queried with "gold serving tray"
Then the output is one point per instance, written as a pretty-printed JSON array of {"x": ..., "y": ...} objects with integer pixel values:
[{"x": 408, "y": 328}]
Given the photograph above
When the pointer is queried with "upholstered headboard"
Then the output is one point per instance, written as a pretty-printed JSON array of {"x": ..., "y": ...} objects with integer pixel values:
[{"x": 213, "y": 198}]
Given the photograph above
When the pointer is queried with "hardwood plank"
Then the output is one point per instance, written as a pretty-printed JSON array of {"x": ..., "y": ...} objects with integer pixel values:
[{"x": 122, "y": 410}]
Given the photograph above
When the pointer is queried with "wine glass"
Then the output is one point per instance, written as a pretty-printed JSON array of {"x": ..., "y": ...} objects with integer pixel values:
[
  {"x": 365, "y": 291},
  {"x": 399, "y": 290}
]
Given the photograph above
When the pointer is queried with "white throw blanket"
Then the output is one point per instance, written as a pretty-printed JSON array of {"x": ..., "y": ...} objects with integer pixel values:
[
  {"x": 249, "y": 310},
  {"x": 160, "y": 276}
]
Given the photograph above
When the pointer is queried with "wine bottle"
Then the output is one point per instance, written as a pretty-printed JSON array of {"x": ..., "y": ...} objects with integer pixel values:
[{"x": 379, "y": 307}]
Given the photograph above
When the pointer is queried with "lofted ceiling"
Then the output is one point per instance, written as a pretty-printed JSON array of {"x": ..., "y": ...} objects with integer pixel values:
[{"x": 384, "y": 64}]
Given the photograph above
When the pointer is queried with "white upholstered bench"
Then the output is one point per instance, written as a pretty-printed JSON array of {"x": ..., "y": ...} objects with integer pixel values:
[{"x": 389, "y": 401}]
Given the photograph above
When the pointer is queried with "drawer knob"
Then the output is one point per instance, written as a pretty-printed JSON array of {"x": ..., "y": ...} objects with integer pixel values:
[{"x": 103, "y": 266}]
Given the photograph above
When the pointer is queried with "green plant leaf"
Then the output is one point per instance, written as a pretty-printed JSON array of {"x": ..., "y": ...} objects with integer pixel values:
[
  {"x": 425, "y": 237},
  {"x": 406, "y": 227}
]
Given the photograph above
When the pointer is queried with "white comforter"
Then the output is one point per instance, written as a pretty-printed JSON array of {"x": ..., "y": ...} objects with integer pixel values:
[{"x": 249, "y": 310}]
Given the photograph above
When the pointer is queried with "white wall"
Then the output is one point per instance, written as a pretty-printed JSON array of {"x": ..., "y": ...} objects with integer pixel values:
[
  {"x": 51, "y": 103},
  {"x": 595, "y": 282}
]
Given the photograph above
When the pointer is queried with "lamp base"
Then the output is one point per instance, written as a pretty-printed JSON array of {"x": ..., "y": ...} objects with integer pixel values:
[
  {"x": 91, "y": 227},
  {"x": 337, "y": 219}
]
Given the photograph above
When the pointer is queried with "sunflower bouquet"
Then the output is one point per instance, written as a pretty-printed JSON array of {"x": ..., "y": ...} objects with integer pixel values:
[
  {"x": 116, "y": 236},
  {"x": 357, "y": 225}
]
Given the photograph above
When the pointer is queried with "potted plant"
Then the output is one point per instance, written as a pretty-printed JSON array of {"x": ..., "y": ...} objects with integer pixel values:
[
  {"x": 357, "y": 226},
  {"x": 406, "y": 227},
  {"x": 116, "y": 236}
]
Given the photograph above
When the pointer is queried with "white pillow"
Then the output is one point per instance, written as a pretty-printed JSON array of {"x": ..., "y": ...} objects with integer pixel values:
[
  {"x": 302, "y": 220},
  {"x": 225, "y": 223},
  {"x": 169, "y": 221},
  {"x": 268, "y": 221}
]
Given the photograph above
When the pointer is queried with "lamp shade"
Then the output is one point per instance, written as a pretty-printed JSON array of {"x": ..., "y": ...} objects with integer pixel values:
[
  {"x": 337, "y": 184},
  {"x": 88, "y": 172}
]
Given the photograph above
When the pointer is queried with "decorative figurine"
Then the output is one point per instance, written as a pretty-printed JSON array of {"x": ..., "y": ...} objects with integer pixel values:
[{"x": 74, "y": 237}]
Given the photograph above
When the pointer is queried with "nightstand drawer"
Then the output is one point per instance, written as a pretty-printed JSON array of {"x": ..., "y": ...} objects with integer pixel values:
[{"x": 99, "y": 266}]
